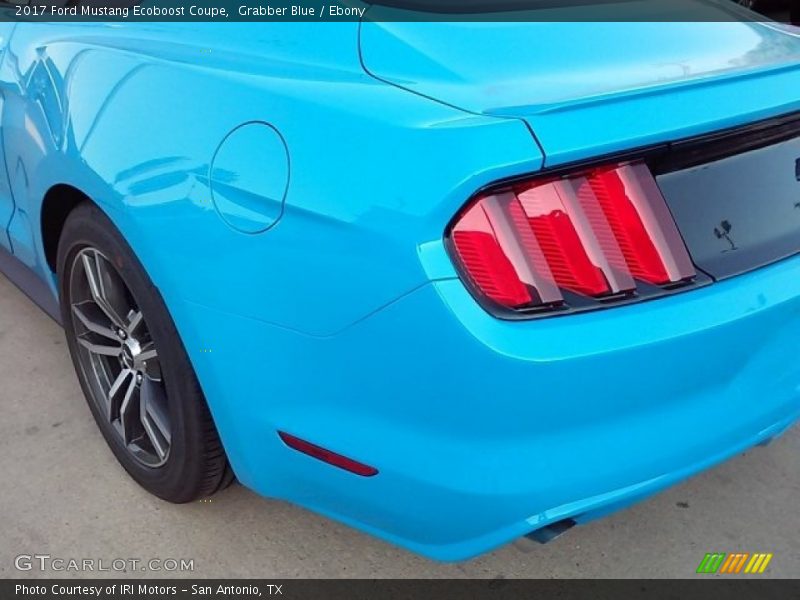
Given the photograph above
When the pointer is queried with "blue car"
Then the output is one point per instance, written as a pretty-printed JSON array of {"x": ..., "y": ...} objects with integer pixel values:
[{"x": 452, "y": 283}]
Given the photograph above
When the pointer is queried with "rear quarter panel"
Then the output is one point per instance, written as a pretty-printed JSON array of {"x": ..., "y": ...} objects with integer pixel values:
[{"x": 132, "y": 115}]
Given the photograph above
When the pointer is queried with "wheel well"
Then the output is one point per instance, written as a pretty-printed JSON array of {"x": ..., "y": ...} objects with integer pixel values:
[{"x": 58, "y": 202}]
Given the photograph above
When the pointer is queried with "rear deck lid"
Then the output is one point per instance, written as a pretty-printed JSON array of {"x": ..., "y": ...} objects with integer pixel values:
[{"x": 591, "y": 88}]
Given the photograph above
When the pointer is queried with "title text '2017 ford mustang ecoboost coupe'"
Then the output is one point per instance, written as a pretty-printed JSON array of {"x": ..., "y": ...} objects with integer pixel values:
[{"x": 452, "y": 283}]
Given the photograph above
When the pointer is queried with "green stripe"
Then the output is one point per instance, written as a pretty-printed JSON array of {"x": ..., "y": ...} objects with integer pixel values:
[
  {"x": 702, "y": 567},
  {"x": 711, "y": 563},
  {"x": 713, "y": 567}
]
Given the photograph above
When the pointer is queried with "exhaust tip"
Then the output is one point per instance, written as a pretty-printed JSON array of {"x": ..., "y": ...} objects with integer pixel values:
[{"x": 550, "y": 532}]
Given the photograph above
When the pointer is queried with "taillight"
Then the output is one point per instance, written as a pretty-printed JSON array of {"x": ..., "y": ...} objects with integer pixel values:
[{"x": 600, "y": 236}]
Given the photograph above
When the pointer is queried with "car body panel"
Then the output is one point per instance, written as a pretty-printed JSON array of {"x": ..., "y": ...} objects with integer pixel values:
[
  {"x": 523, "y": 68},
  {"x": 163, "y": 185},
  {"x": 6, "y": 199},
  {"x": 497, "y": 428},
  {"x": 593, "y": 88},
  {"x": 344, "y": 322}
]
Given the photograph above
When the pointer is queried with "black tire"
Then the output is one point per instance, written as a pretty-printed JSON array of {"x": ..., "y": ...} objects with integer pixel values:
[{"x": 196, "y": 465}]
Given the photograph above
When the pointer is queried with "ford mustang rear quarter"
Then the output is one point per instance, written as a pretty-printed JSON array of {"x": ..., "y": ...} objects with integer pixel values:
[{"x": 294, "y": 192}]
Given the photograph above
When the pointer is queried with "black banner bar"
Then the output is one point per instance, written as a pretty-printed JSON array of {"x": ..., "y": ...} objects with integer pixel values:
[
  {"x": 220, "y": 11},
  {"x": 702, "y": 588}
]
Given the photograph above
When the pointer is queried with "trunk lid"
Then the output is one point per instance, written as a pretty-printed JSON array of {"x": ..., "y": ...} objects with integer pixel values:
[{"x": 591, "y": 88}]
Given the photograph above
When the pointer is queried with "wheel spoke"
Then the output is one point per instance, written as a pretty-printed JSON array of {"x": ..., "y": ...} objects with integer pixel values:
[
  {"x": 113, "y": 393},
  {"x": 127, "y": 415},
  {"x": 134, "y": 320},
  {"x": 101, "y": 349},
  {"x": 155, "y": 417},
  {"x": 153, "y": 371},
  {"x": 148, "y": 353},
  {"x": 83, "y": 312},
  {"x": 100, "y": 286}
]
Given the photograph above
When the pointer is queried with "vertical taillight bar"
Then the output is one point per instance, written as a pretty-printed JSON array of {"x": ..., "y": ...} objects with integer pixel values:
[
  {"x": 644, "y": 193},
  {"x": 521, "y": 246}
]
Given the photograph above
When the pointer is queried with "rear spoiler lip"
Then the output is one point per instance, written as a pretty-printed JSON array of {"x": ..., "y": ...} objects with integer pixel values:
[
  {"x": 668, "y": 157},
  {"x": 724, "y": 143}
]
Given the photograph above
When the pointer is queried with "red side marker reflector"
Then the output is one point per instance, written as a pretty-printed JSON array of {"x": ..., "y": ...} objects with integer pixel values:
[{"x": 332, "y": 458}]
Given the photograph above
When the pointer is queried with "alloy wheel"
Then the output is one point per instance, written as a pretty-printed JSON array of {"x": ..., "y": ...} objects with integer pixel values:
[{"x": 118, "y": 358}]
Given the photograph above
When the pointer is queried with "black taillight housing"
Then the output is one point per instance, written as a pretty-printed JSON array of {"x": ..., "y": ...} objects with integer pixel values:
[{"x": 600, "y": 236}]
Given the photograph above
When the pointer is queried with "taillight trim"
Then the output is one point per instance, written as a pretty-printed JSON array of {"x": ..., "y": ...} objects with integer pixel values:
[{"x": 573, "y": 302}]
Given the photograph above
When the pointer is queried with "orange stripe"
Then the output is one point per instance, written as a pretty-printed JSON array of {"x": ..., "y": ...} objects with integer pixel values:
[
  {"x": 728, "y": 562},
  {"x": 742, "y": 561}
]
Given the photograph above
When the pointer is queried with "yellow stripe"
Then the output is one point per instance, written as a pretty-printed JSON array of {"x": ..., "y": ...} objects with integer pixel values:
[
  {"x": 757, "y": 564},
  {"x": 765, "y": 563},
  {"x": 741, "y": 562},
  {"x": 751, "y": 564}
]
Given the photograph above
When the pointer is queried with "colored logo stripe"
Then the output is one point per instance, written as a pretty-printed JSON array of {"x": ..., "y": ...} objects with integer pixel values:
[
  {"x": 720, "y": 562},
  {"x": 734, "y": 563},
  {"x": 711, "y": 562},
  {"x": 758, "y": 563}
]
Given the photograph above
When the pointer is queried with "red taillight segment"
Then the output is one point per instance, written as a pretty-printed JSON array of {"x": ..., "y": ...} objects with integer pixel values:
[
  {"x": 640, "y": 253},
  {"x": 547, "y": 208},
  {"x": 325, "y": 455},
  {"x": 591, "y": 234},
  {"x": 479, "y": 247}
]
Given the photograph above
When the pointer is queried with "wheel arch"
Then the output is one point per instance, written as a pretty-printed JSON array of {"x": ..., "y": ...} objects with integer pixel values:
[{"x": 58, "y": 202}]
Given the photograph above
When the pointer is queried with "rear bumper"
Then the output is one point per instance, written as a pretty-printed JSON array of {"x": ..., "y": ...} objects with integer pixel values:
[{"x": 484, "y": 430}]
